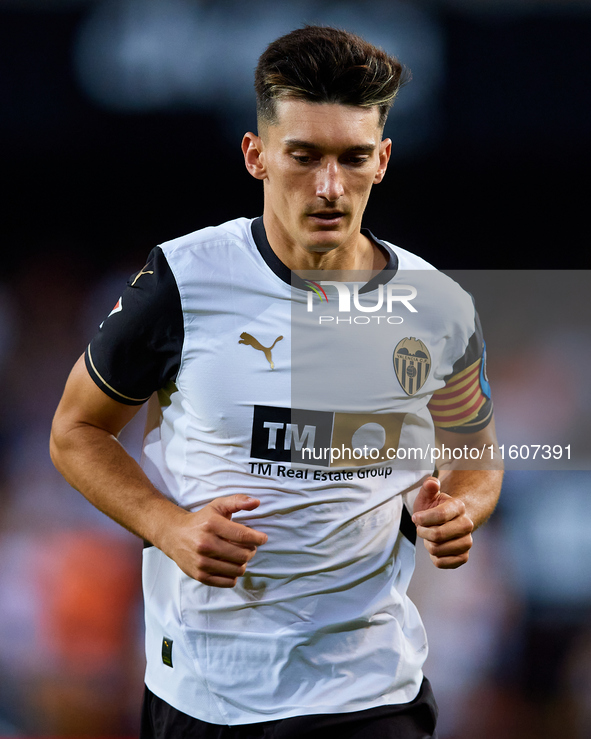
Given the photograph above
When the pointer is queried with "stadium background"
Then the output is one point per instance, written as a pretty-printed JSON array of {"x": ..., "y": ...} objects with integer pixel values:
[{"x": 121, "y": 122}]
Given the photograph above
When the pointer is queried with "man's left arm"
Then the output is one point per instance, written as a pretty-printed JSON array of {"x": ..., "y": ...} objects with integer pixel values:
[{"x": 448, "y": 508}]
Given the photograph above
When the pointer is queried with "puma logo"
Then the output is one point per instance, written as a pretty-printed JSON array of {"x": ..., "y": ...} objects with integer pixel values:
[
  {"x": 140, "y": 273},
  {"x": 251, "y": 341}
]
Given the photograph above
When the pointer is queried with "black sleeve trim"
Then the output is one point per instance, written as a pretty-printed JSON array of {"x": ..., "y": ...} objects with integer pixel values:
[
  {"x": 104, "y": 385},
  {"x": 138, "y": 347},
  {"x": 473, "y": 351}
]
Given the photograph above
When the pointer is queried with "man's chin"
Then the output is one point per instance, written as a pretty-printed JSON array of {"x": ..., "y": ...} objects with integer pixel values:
[{"x": 321, "y": 242}]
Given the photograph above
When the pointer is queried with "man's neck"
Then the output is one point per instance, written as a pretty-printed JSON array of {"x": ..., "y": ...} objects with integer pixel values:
[{"x": 359, "y": 254}]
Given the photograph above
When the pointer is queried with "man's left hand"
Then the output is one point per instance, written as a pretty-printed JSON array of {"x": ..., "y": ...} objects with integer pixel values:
[{"x": 443, "y": 524}]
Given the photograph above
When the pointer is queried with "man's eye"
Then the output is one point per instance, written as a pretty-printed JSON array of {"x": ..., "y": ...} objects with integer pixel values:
[
  {"x": 356, "y": 160},
  {"x": 302, "y": 158}
]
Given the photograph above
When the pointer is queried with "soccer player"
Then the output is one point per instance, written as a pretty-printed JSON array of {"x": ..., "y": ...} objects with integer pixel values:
[{"x": 275, "y": 582}]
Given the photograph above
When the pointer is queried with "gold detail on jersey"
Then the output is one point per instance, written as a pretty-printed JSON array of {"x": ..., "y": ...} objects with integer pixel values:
[
  {"x": 345, "y": 425},
  {"x": 142, "y": 271},
  {"x": 251, "y": 341},
  {"x": 412, "y": 363}
]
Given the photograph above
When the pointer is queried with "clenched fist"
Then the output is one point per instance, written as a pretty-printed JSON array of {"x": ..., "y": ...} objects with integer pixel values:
[{"x": 443, "y": 524}]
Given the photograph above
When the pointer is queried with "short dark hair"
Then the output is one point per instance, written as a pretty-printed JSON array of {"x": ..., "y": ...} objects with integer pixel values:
[{"x": 326, "y": 65}]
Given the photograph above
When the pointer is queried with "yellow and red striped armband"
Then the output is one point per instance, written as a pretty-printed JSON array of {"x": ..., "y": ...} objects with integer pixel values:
[{"x": 461, "y": 400}]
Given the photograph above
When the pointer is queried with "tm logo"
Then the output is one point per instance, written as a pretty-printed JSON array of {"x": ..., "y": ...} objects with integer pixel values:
[{"x": 306, "y": 437}]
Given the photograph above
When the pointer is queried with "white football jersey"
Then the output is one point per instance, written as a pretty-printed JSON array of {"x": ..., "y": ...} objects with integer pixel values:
[{"x": 254, "y": 375}]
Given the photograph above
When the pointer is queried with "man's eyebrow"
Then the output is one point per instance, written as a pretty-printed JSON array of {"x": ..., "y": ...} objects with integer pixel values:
[{"x": 301, "y": 144}]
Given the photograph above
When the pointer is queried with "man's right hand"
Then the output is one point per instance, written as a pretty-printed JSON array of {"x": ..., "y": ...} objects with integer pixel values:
[{"x": 211, "y": 548}]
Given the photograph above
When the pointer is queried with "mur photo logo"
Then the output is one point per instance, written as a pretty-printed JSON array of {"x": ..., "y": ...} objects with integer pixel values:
[{"x": 355, "y": 305}]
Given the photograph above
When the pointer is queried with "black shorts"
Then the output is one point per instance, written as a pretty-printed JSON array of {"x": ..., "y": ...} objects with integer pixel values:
[{"x": 414, "y": 720}]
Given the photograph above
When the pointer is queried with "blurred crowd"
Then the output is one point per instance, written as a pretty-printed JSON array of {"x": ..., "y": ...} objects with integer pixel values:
[{"x": 71, "y": 644}]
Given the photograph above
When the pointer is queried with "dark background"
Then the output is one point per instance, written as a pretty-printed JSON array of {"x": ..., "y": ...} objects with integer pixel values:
[{"x": 502, "y": 185}]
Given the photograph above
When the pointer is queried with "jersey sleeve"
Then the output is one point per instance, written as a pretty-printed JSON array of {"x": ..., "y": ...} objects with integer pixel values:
[
  {"x": 464, "y": 404},
  {"x": 138, "y": 347}
]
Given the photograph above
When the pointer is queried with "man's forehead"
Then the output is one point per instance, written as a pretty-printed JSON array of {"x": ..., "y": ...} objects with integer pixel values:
[{"x": 323, "y": 124}]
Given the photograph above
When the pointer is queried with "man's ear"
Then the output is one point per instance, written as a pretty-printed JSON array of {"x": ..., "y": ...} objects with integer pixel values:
[
  {"x": 385, "y": 151},
  {"x": 252, "y": 148}
]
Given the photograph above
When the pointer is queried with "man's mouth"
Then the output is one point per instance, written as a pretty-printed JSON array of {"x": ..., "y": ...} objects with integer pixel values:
[{"x": 328, "y": 218}]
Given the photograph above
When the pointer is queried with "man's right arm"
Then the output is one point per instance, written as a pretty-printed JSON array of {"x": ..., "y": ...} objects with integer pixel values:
[{"x": 206, "y": 544}]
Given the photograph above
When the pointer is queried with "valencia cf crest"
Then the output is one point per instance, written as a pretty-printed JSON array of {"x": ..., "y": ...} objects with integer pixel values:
[{"x": 412, "y": 363}]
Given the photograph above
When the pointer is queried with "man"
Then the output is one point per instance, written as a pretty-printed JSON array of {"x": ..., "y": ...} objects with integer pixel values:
[{"x": 275, "y": 585}]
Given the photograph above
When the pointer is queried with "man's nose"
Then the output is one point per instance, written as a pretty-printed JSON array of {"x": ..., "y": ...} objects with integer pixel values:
[{"x": 329, "y": 184}]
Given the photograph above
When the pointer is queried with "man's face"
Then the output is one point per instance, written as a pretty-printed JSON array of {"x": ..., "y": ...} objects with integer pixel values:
[{"x": 318, "y": 164}]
